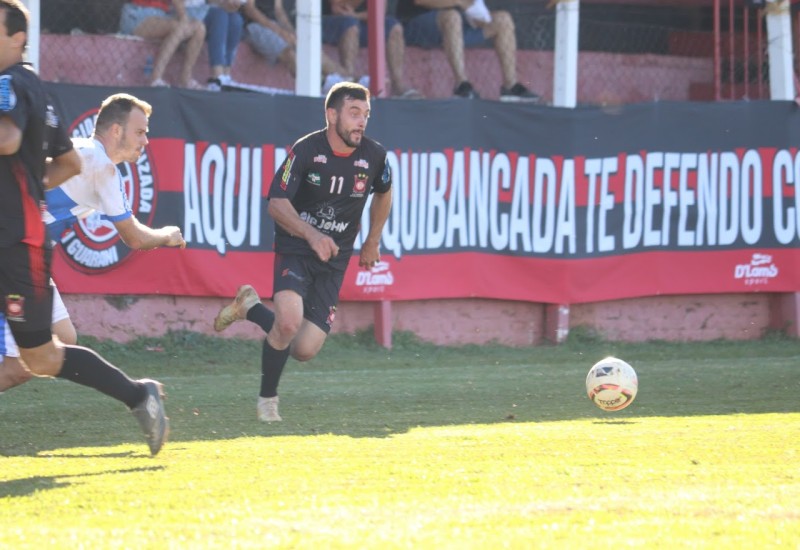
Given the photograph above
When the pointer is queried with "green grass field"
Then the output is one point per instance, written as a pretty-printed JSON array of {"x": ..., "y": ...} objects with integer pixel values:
[{"x": 418, "y": 447}]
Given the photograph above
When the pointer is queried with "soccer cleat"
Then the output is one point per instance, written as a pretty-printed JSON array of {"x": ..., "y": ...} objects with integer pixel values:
[
  {"x": 151, "y": 415},
  {"x": 267, "y": 409},
  {"x": 246, "y": 297}
]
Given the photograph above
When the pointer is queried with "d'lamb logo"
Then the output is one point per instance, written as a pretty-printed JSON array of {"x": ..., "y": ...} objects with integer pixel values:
[
  {"x": 376, "y": 279},
  {"x": 758, "y": 271},
  {"x": 92, "y": 245}
]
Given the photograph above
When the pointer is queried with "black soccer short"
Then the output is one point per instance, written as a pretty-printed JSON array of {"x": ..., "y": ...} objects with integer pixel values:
[
  {"x": 26, "y": 295},
  {"x": 316, "y": 281}
]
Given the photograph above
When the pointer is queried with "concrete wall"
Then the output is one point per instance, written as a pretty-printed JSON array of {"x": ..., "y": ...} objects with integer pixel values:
[{"x": 465, "y": 321}]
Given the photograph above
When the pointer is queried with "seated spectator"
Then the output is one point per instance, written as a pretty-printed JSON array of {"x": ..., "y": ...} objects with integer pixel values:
[
  {"x": 173, "y": 23},
  {"x": 454, "y": 24},
  {"x": 224, "y": 24},
  {"x": 271, "y": 34},
  {"x": 344, "y": 23}
]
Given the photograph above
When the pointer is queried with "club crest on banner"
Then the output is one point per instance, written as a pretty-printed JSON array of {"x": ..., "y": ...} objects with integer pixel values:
[{"x": 93, "y": 245}]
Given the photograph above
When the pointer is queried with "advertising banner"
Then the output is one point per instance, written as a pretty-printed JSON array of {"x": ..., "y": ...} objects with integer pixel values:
[{"x": 491, "y": 200}]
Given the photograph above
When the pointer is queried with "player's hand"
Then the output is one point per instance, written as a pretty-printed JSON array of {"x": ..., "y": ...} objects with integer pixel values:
[
  {"x": 323, "y": 246},
  {"x": 174, "y": 236},
  {"x": 370, "y": 255}
]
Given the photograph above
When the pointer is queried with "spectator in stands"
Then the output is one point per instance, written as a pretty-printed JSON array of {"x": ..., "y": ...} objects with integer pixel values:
[
  {"x": 224, "y": 25},
  {"x": 454, "y": 24},
  {"x": 173, "y": 22},
  {"x": 344, "y": 23},
  {"x": 271, "y": 34}
]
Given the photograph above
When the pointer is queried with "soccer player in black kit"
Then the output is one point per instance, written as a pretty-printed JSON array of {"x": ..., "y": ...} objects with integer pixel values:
[
  {"x": 316, "y": 200},
  {"x": 29, "y": 133}
]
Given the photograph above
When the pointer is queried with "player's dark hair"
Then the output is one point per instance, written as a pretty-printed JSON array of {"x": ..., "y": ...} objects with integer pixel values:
[
  {"x": 16, "y": 16},
  {"x": 345, "y": 90},
  {"x": 117, "y": 108}
]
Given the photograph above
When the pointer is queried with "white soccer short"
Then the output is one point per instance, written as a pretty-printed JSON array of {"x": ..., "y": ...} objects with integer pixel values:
[{"x": 8, "y": 347}]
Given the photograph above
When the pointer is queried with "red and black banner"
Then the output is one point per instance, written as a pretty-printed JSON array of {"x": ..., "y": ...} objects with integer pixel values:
[{"x": 491, "y": 200}]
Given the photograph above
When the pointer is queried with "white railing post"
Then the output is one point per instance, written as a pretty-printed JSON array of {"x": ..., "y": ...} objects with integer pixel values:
[
  {"x": 309, "y": 48},
  {"x": 34, "y": 32},
  {"x": 779, "y": 38},
  {"x": 565, "y": 75}
]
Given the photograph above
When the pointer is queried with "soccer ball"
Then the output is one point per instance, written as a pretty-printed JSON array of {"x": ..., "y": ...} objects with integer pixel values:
[{"x": 612, "y": 384}]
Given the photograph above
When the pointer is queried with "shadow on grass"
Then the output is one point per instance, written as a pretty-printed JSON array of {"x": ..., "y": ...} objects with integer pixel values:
[
  {"x": 355, "y": 388},
  {"x": 29, "y": 485}
]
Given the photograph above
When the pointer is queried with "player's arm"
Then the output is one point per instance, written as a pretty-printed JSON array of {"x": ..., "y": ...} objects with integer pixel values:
[
  {"x": 10, "y": 136},
  {"x": 141, "y": 237},
  {"x": 61, "y": 168},
  {"x": 284, "y": 214},
  {"x": 378, "y": 214}
]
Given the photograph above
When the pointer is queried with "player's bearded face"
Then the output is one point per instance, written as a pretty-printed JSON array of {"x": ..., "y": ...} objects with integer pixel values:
[{"x": 351, "y": 122}]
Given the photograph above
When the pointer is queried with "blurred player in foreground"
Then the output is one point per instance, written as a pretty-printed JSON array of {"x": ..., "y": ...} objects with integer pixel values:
[{"x": 29, "y": 130}]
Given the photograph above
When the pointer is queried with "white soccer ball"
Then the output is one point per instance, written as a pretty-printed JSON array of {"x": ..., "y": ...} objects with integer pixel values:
[{"x": 612, "y": 384}]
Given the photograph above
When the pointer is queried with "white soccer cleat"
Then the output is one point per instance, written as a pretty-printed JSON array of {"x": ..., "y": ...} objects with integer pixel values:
[
  {"x": 267, "y": 409},
  {"x": 246, "y": 297}
]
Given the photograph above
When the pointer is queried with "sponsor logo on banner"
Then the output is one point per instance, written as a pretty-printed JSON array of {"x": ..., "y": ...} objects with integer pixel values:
[
  {"x": 376, "y": 279},
  {"x": 758, "y": 272},
  {"x": 92, "y": 245}
]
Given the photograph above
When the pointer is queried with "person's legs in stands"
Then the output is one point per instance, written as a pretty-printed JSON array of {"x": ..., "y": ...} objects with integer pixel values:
[
  {"x": 451, "y": 27},
  {"x": 502, "y": 32},
  {"x": 194, "y": 45},
  {"x": 342, "y": 31},
  {"x": 395, "y": 55},
  {"x": 216, "y": 35}
]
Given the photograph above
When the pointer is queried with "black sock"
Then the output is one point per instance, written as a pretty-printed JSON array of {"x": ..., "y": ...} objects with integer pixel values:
[
  {"x": 84, "y": 366},
  {"x": 272, "y": 363},
  {"x": 262, "y": 316}
]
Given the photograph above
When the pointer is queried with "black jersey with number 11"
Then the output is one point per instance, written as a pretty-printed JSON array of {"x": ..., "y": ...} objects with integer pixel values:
[{"x": 329, "y": 191}]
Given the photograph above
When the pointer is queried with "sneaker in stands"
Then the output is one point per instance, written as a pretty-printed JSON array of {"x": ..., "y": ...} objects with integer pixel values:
[
  {"x": 518, "y": 93},
  {"x": 466, "y": 91},
  {"x": 330, "y": 81},
  {"x": 267, "y": 409},
  {"x": 246, "y": 297},
  {"x": 214, "y": 85},
  {"x": 478, "y": 14},
  {"x": 151, "y": 415}
]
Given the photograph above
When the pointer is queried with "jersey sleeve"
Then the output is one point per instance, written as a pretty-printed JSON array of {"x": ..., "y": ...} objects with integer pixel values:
[
  {"x": 14, "y": 104},
  {"x": 59, "y": 142},
  {"x": 112, "y": 201},
  {"x": 289, "y": 176},
  {"x": 383, "y": 181}
]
